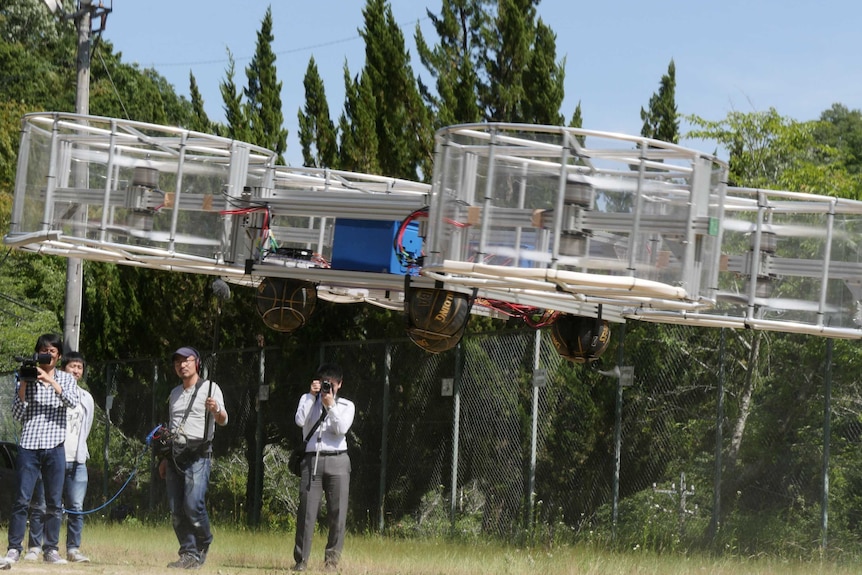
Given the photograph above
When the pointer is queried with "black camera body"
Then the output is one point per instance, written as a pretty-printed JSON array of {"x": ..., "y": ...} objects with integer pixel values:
[
  {"x": 27, "y": 372},
  {"x": 326, "y": 386}
]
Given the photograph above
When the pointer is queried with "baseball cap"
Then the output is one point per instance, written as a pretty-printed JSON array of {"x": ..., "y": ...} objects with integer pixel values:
[{"x": 187, "y": 352}]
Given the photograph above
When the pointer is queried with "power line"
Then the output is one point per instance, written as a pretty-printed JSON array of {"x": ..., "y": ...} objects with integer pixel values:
[{"x": 278, "y": 53}]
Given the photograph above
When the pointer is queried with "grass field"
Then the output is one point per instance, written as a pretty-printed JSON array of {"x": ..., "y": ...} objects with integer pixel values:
[{"x": 142, "y": 550}]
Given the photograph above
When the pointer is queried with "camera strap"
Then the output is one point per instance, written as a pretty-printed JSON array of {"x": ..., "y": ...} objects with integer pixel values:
[
  {"x": 316, "y": 425},
  {"x": 189, "y": 406}
]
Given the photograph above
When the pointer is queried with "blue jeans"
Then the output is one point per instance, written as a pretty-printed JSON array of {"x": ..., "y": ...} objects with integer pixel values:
[
  {"x": 187, "y": 489},
  {"x": 74, "y": 490},
  {"x": 49, "y": 465}
]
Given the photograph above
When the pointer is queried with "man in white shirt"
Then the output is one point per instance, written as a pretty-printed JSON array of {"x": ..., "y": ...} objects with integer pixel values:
[{"x": 326, "y": 467}]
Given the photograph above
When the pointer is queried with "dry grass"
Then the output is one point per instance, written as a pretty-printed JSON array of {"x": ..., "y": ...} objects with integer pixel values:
[{"x": 141, "y": 550}]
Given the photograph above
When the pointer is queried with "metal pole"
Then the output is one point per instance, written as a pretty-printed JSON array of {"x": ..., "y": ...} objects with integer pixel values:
[
  {"x": 456, "y": 424},
  {"x": 258, "y": 442},
  {"x": 74, "y": 266},
  {"x": 384, "y": 439},
  {"x": 109, "y": 385},
  {"x": 618, "y": 417},
  {"x": 537, "y": 349},
  {"x": 153, "y": 422},
  {"x": 827, "y": 432},
  {"x": 719, "y": 440}
]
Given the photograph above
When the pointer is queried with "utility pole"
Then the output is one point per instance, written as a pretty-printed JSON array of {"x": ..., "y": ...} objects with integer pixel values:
[{"x": 83, "y": 18}]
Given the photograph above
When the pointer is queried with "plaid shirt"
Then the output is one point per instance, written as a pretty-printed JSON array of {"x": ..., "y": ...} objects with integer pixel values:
[{"x": 43, "y": 414}]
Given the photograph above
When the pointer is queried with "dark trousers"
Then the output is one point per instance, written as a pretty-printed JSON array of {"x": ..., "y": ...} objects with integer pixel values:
[{"x": 333, "y": 480}]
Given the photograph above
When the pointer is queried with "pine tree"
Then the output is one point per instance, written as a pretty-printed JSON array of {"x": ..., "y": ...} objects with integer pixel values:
[
  {"x": 403, "y": 124},
  {"x": 234, "y": 109},
  {"x": 577, "y": 121},
  {"x": 199, "y": 121},
  {"x": 263, "y": 93},
  {"x": 358, "y": 127},
  {"x": 661, "y": 121},
  {"x": 317, "y": 133},
  {"x": 452, "y": 62},
  {"x": 543, "y": 80}
]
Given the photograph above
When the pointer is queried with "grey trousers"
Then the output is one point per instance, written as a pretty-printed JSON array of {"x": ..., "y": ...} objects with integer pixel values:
[{"x": 333, "y": 480}]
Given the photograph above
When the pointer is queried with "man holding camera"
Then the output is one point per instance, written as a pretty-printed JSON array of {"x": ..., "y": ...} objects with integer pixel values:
[
  {"x": 79, "y": 421},
  {"x": 325, "y": 419},
  {"x": 42, "y": 398}
]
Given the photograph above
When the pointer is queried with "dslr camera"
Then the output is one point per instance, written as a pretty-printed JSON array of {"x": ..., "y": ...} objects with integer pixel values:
[
  {"x": 326, "y": 386},
  {"x": 27, "y": 372}
]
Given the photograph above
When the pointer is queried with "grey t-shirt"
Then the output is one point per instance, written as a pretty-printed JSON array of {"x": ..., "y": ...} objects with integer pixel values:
[{"x": 193, "y": 428}]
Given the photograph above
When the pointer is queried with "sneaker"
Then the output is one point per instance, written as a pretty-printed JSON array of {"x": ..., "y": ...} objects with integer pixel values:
[
  {"x": 32, "y": 554},
  {"x": 53, "y": 557},
  {"x": 4, "y": 564},
  {"x": 203, "y": 554},
  {"x": 12, "y": 556},
  {"x": 299, "y": 566},
  {"x": 75, "y": 556},
  {"x": 186, "y": 561}
]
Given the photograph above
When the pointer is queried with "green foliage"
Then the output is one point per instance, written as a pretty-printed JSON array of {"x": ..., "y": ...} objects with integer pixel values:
[
  {"x": 235, "y": 111},
  {"x": 661, "y": 120},
  {"x": 317, "y": 134},
  {"x": 432, "y": 518},
  {"x": 263, "y": 94},
  {"x": 199, "y": 120},
  {"x": 402, "y": 123},
  {"x": 359, "y": 150},
  {"x": 452, "y": 62},
  {"x": 770, "y": 151}
]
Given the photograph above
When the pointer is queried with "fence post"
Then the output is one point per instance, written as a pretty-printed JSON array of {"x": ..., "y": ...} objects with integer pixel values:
[
  {"x": 384, "y": 440},
  {"x": 719, "y": 440},
  {"x": 456, "y": 424},
  {"x": 257, "y": 504},
  {"x": 109, "y": 386},
  {"x": 827, "y": 432},
  {"x": 534, "y": 426},
  {"x": 618, "y": 423},
  {"x": 154, "y": 421}
]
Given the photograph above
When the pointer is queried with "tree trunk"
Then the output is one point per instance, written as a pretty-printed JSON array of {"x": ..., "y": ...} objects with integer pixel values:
[{"x": 745, "y": 401}]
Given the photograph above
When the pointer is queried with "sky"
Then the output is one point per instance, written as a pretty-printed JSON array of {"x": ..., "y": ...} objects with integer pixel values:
[{"x": 799, "y": 57}]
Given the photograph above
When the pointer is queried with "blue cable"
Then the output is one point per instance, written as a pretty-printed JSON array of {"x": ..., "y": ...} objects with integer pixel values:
[{"x": 148, "y": 441}]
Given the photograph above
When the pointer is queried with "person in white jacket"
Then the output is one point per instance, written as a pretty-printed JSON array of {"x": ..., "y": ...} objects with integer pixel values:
[{"x": 78, "y": 424}]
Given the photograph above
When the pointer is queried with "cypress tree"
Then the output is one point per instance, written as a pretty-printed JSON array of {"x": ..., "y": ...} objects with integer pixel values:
[
  {"x": 317, "y": 134},
  {"x": 199, "y": 120},
  {"x": 263, "y": 93},
  {"x": 452, "y": 62},
  {"x": 358, "y": 126},
  {"x": 403, "y": 124},
  {"x": 661, "y": 120},
  {"x": 234, "y": 109}
]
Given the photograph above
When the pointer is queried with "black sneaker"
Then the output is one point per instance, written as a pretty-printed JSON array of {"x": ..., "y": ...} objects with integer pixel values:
[
  {"x": 301, "y": 566},
  {"x": 186, "y": 561}
]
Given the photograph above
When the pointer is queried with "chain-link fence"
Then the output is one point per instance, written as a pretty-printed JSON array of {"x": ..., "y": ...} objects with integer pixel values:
[{"x": 672, "y": 441}]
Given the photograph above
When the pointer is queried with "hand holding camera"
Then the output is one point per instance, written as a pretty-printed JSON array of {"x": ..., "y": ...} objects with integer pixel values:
[
  {"x": 323, "y": 390},
  {"x": 30, "y": 369}
]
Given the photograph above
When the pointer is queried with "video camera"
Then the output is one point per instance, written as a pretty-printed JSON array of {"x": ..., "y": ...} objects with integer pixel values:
[{"x": 27, "y": 372}]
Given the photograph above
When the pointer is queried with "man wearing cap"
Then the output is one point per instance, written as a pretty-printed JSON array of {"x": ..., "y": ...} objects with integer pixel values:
[{"x": 196, "y": 406}]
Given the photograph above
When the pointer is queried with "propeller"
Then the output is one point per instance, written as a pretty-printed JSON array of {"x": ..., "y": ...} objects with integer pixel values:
[
  {"x": 784, "y": 230},
  {"x": 778, "y": 303}
]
